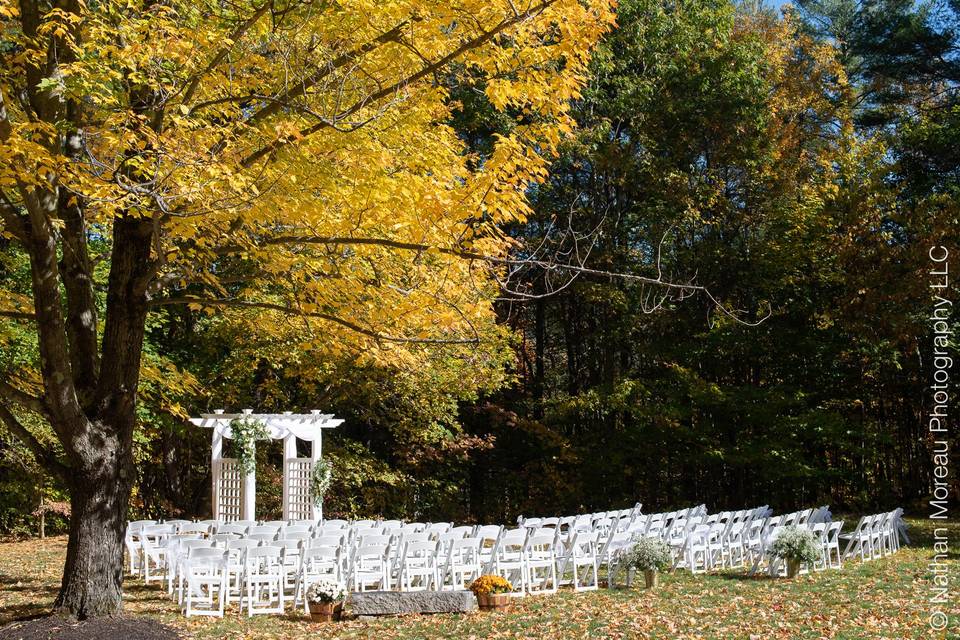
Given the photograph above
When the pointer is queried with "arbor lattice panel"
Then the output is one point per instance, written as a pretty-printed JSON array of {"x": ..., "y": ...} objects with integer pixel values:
[
  {"x": 229, "y": 490},
  {"x": 299, "y": 504}
]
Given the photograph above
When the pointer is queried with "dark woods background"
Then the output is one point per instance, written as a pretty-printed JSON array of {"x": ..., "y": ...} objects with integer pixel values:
[{"x": 799, "y": 165}]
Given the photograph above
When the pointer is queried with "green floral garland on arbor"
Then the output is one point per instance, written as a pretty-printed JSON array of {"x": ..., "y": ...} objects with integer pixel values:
[
  {"x": 320, "y": 480},
  {"x": 245, "y": 432}
]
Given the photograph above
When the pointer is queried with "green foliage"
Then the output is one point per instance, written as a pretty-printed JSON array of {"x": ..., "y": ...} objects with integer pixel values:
[{"x": 245, "y": 432}]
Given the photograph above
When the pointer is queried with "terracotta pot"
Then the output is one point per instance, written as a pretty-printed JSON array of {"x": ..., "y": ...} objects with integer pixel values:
[
  {"x": 494, "y": 601},
  {"x": 793, "y": 568},
  {"x": 324, "y": 611},
  {"x": 652, "y": 578}
]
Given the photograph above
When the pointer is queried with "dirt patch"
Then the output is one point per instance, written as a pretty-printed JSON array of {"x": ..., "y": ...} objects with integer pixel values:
[{"x": 56, "y": 628}]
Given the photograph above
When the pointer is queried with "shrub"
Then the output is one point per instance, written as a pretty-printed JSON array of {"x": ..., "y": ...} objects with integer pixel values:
[
  {"x": 490, "y": 585},
  {"x": 325, "y": 590},
  {"x": 794, "y": 543},
  {"x": 650, "y": 554}
]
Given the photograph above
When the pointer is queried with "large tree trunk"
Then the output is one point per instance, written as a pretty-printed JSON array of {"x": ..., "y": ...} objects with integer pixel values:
[
  {"x": 102, "y": 448},
  {"x": 93, "y": 572}
]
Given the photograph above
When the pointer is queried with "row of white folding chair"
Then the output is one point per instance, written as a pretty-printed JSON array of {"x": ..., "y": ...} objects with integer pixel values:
[
  {"x": 211, "y": 576},
  {"x": 527, "y": 557},
  {"x": 874, "y": 536}
]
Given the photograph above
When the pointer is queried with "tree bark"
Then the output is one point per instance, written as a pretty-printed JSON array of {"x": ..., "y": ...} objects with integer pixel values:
[
  {"x": 93, "y": 572},
  {"x": 102, "y": 475}
]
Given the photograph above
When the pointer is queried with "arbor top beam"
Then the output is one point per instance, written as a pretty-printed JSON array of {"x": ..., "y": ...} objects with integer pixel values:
[{"x": 306, "y": 426}]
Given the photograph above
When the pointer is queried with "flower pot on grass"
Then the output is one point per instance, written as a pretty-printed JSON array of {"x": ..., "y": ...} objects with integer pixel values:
[
  {"x": 324, "y": 597},
  {"x": 796, "y": 545},
  {"x": 652, "y": 578},
  {"x": 493, "y": 592},
  {"x": 323, "y": 611},
  {"x": 650, "y": 555},
  {"x": 494, "y": 601},
  {"x": 793, "y": 568}
]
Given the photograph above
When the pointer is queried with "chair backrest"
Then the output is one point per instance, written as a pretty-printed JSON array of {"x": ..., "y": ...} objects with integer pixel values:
[
  {"x": 436, "y": 528},
  {"x": 325, "y": 541},
  {"x": 279, "y": 524},
  {"x": 206, "y": 556},
  {"x": 421, "y": 536},
  {"x": 328, "y": 530},
  {"x": 489, "y": 532},
  {"x": 222, "y": 538},
  {"x": 374, "y": 539},
  {"x": 297, "y": 528},
  {"x": 242, "y": 544},
  {"x": 584, "y": 543},
  {"x": 296, "y": 535},
  {"x": 263, "y": 530},
  {"x": 266, "y": 556},
  {"x": 421, "y": 551},
  {"x": 833, "y": 531},
  {"x": 232, "y": 528},
  {"x": 289, "y": 546},
  {"x": 262, "y": 537},
  {"x": 511, "y": 542},
  {"x": 334, "y": 523},
  {"x": 188, "y": 545},
  {"x": 309, "y": 524},
  {"x": 320, "y": 554},
  {"x": 195, "y": 527},
  {"x": 158, "y": 530}
]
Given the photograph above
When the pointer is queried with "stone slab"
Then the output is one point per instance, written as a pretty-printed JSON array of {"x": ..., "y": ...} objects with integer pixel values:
[{"x": 393, "y": 603}]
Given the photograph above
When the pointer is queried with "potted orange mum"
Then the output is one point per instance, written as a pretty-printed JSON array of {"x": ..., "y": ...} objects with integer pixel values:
[{"x": 493, "y": 592}]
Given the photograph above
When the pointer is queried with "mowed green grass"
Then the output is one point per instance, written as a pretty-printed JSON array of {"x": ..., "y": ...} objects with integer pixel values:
[{"x": 885, "y": 598}]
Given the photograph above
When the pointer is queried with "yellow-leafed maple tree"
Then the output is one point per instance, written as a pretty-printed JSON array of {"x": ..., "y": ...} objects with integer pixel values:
[{"x": 290, "y": 157}]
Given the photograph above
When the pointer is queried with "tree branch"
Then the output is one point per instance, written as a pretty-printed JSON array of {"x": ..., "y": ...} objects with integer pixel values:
[
  {"x": 24, "y": 399},
  {"x": 44, "y": 456},
  {"x": 250, "y": 304},
  {"x": 427, "y": 70},
  {"x": 17, "y": 315},
  {"x": 221, "y": 55},
  {"x": 308, "y": 83}
]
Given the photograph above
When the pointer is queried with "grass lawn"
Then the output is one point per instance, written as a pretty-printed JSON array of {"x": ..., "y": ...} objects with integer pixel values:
[{"x": 879, "y": 599}]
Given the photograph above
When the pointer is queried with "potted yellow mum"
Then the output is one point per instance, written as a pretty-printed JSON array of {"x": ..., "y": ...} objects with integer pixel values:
[{"x": 493, "y": 592}]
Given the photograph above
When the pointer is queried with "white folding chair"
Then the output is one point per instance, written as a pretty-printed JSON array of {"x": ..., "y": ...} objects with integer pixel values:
[
  {"x": 507, "y": 557},
  {"x": 316, "y": 563},
  {"x": 263, "y": 580},
  {"x": 153, "y": 541},
  {"x": 418, "y": 568},
  {"x": 580, "y": 559},
  {"x": 540, "y": 566},
  {"x": 463, "y": 563},
  {"x": 370, "y": 565},
  {"x": 205, "y": 573}
]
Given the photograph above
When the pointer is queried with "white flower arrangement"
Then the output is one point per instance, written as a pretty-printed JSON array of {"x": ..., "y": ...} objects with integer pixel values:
[
  {"x": 320, "y": 480},
  {"x": 245, "y": 432},
  {"x": 794, "y": 543},
  {"x": 650, "y": 554},
  {"x": 325, "y": 590}
]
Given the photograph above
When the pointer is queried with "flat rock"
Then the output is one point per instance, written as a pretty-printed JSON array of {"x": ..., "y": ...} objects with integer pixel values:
[{"x": 392, "y": 603}]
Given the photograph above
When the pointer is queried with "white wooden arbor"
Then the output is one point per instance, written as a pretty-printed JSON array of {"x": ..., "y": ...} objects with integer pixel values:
[{"x": 234, "y": 496}]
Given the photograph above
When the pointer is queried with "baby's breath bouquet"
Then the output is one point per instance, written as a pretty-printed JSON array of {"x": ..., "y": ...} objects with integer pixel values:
[
  {"x": 794, "y": 543},
  {"x": 650, "y": 554}
]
